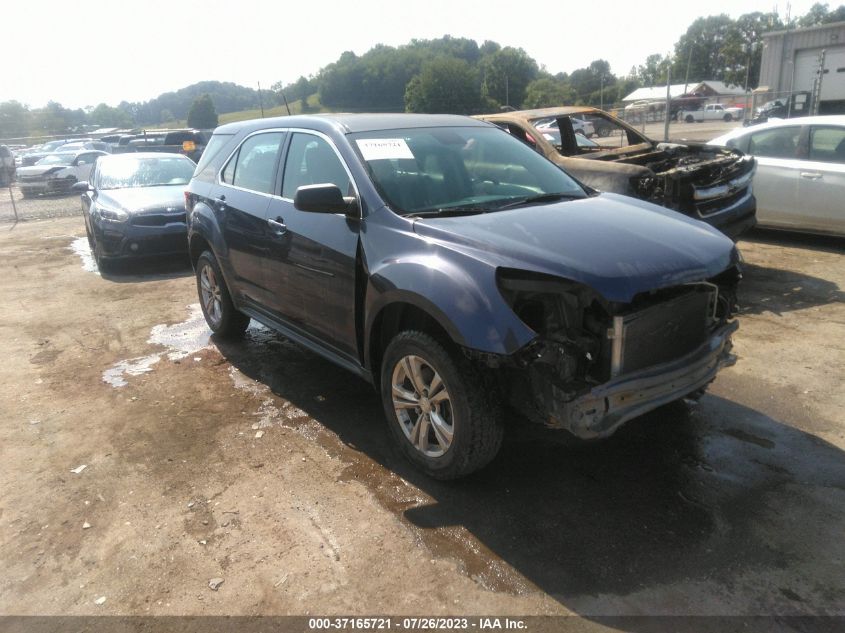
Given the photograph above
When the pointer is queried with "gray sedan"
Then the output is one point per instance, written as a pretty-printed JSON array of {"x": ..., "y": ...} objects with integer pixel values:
[{"x": 800, "y": 179}]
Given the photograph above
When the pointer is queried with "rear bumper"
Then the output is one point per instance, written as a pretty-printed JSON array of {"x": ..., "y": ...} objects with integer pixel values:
[{"x": 605, "y": 408}]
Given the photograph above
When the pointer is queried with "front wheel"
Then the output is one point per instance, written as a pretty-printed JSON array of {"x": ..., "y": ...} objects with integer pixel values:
[
  {"x": 104, "y": 264},
  {"x": 689, "y": 118},
  {"x": 727, "y": 118},
  {"x": 437, "y": 409},
  {"x": 216, "y": 302}
]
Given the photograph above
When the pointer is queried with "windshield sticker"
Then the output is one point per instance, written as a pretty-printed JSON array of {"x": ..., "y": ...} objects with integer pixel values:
[{"x": 384, "y": 148}]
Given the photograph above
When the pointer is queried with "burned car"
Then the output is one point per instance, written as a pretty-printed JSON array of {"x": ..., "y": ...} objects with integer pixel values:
[
  {"x": 713, "y": 185},
  {"x": 459, "y": 272}
]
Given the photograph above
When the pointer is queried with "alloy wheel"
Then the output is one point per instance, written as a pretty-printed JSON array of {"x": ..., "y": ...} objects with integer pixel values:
[
  {"x": 212, "y": 298},
  {"x": 423, "y": 406}
]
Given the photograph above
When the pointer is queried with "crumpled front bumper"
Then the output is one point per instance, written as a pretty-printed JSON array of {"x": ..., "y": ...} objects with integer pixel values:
[{"x": 606, "y": 407}]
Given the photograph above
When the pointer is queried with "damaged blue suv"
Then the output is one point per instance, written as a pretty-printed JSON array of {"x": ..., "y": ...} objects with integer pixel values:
[{"x": 461, "y": 273}]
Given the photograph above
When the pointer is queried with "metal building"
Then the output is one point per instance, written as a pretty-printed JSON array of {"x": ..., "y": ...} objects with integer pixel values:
[{"x": 792, "y": 62}]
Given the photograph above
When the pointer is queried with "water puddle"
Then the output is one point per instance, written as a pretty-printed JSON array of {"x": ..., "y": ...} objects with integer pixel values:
[
  {"x": 80, "y": 247},
  {"x": 182, "y": 339},
  {"x": 179, "y": 340}
]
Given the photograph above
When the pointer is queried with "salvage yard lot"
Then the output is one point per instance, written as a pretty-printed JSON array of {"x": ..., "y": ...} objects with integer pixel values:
[{"x": 261, "y": 464}]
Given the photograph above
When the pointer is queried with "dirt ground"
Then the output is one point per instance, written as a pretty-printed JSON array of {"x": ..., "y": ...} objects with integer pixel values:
[{"x": 262, "y": 465}]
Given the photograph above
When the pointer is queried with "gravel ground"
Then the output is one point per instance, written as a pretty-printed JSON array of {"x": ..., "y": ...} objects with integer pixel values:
[
  {"x": 143, "y": 460},
  {"x": 39, "y": 208}
]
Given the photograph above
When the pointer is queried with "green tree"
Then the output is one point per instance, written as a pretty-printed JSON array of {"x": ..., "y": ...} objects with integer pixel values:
[
  {"x": 445, "y": 85},
  {"x": 653, "y": 72},
  {"x": 202, "y": 114},
  {"x": 506, "y": 75},
  {"x": 592, "y": 82},
  {"x": 106, "y": 116},
  {"x": 15, "y": 119},
  {"x": 53, "y": 119},
  {"x": 548, "y": 92},
  {"x": 743, "y": 47},
  {"x": 816, "y": 15},
  {"x": 702, "y": 49}
]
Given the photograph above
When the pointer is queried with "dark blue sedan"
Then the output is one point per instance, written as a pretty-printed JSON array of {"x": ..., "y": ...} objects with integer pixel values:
[{"x": 134, "y": 206}]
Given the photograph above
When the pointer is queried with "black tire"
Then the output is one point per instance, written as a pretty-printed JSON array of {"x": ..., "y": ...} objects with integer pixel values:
[
  {"x": 219, "y": 311},
  {"x": 603, "y": 131},
  {"x": 728, "y": 118},
  {"x": 25, "y": 193},
  {"x": 89, "y": 236},
  {"x": 689, "y": 118},
  {"x": 475, "y": 417},
  {"x": 104, "y": 264}
]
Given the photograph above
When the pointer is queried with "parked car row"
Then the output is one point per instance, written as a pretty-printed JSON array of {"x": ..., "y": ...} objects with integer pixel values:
[{"x": 54, "y": 167}]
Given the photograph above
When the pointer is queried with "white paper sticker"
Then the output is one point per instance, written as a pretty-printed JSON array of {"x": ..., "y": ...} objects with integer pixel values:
[{"x": 384, "y": 148}]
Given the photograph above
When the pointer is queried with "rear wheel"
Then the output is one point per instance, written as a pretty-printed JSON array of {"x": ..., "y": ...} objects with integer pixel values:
[
  {"x": 728, "y": 117},
  {"x": 438, "y": 412},
  {"x": 689, "y": 118},
  {"x": 216, "y": 302}
]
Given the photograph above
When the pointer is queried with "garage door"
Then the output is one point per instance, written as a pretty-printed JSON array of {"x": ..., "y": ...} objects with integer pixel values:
[{"x": 807, "y": 64}]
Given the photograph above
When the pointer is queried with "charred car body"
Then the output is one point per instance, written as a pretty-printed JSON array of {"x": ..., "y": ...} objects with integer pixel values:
[
  {"x": 461, "y": 273},
  {"x": 712, "y": 186}
]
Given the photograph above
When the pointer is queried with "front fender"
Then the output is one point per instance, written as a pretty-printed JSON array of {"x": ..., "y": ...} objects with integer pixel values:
[{"x": 460, "y": 293}]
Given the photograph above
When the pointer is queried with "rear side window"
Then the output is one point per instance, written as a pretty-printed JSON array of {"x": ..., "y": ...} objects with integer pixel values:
[
  {"x": 253, "y": 166},
  {"x": 827, "y": 144},
  {"x": 215, "y": 144},
  {"x": 776, "y": 143},
  {"x": 312, "y": 161}
]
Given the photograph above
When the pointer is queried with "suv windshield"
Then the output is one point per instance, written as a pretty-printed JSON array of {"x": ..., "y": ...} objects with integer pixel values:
[
  {"x": 123, "y": 172},
  {"x": 457, "y": 169}
]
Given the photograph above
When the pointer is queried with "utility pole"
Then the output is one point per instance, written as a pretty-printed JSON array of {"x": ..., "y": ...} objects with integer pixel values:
[
  {"x": 260, "y": 104},
  {"x": 668, "y": 102},
  {"x": 750, "y": 47}
]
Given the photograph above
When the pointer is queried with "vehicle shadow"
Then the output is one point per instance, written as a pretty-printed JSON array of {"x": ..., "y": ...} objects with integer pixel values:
[
  {"x": 824, "y": 243},
  {"x": 148, "y": 269},
  {"x": 712, "y": 493},
  {"x": 776, "y": 290}
]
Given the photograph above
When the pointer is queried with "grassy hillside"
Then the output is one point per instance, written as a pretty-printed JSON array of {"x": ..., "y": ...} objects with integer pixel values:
[
  {"x": 295, "y": 108},
  {"x": 244, "y": 115}
]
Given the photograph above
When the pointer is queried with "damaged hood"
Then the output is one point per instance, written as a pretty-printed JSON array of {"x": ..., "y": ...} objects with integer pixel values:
[
  {"x": 616, "y": 245},
  {"x": 40, "y": 170}
]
